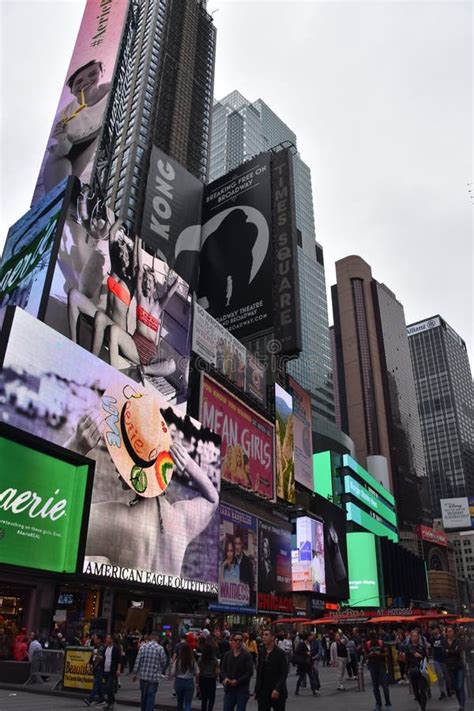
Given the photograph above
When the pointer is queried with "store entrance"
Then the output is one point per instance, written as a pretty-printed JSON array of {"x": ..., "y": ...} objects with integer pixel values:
[{"x": 14, "y": 605}]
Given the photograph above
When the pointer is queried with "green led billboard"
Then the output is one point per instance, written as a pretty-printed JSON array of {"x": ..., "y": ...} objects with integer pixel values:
[
  {"x": 372, "y": 501},
  {"x": 348, "y": 461},
  {"x": 322, "y": 474},
  {"x": 363, "y": 572},
  {"x": 41, "y": 508},
  {"x": 354, "y": 513}
]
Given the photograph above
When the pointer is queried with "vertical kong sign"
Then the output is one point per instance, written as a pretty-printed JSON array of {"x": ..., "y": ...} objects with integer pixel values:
[{"x": 287, "y": 318}]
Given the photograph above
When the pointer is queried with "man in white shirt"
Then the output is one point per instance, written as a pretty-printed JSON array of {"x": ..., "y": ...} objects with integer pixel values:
[{"x": 33, "y": 647}]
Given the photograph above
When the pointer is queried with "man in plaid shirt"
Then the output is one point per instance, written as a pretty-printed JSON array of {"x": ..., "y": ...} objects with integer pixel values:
[{"x": 151, "y": 662}]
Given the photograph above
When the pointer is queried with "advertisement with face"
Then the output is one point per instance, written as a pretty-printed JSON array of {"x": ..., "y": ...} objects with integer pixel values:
[
  {"x": 284, "y": 444},
  {"x": 303, "y": 434},
  {"x": 247, "y": 438},
  {"x": 171, "y": 224},
  {"x": 74, "y": 137},
  {"x": 274, "y": 568},
  {"x": 238, "y": 560},
  {"x": 335, "y": 548},
  {"x": 235, "y": 281},
  {"x": 214, "y": 344},
  {"x": 153, "y": 515},
  {"x": 116, "y": 300},
  {"x": 27, "y": 253},
  {"x": 307, "y": 561}
]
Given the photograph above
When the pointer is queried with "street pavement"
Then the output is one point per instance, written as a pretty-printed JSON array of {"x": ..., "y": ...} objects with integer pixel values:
[{"x": 329, "y": 700}]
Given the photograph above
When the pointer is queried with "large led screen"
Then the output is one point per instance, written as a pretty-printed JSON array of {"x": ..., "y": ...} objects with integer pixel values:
[
  {"x": 154, "y": 511},
  {"x": 284, "y": 445},
  {"x": 335, "y": 548},
  {"x": 74, "y": 137},
  {"x": 247, "y": 438},
  {"x": 303, "y": 434},
  {"x": 42, "y": 501},
  {"x": 115, "y": 299},
  {"x": 307, "y": 560},
  {"x": 363, "y": 570},
  {"x": 237, "y": 561},
  {"x": 274, "y": 568}
]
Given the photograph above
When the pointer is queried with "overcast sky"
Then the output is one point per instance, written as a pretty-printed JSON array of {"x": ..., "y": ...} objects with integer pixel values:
[{"x": 379, "y": 95}]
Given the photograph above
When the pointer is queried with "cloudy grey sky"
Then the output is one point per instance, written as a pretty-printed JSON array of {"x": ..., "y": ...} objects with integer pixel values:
[{"x": 378, "y": 93}]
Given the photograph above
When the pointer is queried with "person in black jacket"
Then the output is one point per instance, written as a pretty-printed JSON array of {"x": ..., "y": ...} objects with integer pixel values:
[
  {"x": 112, "y": 661},
  {"x": 416, "y": 652},
  {"x": 272, "y": 670},
  {"x": 236, "y": 672},
  {"x": 452, "y": 657},
  {"x": 304, "y": 663}
]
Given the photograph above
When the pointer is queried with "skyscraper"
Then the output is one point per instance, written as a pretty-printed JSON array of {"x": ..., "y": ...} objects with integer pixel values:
[
  {"x": 376, "y": 385},
  {"x": 443, "y": 384},
  {"x": 240, "y": 130}
]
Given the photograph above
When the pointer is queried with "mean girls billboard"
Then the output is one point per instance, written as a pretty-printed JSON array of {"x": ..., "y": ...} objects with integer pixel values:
[
  {"x": 247, "y": 438},
  {"x": 74, "y": 138}
]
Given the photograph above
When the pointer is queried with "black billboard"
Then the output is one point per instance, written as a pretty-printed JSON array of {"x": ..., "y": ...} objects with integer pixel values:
[
  {"x": 274, "y": 569},
  {"x": 335, "y": 547},
  {"x": 235, "y": 282},
  {"x": 171, "y": 225}
]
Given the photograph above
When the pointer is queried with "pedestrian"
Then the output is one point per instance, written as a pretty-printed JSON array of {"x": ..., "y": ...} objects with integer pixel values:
[
  {"x": 34, "y": 646},
  {"x": 437, "y": 640},
  {"x": 286, "y": 645},
  {"x": 208, "y": 673},
  {"x": 339, "y": 658},
  {"x": 236, "y": 673},
  {"x": 184, "y": 671},
  {"x": 112, "y": 660},
  {"x": 252, "y": 648},
  {"x": 416, "y": 653},
  {"x": 400, "y": 646},
  {"x": 452, "y": 652},
  {"x": 149, "y": 665},
  {"x": 272, "y": 670},
  {"x": 97, "y": 662},
  {"x": 20, "y": 648},
  {"x": 376, "y": 653},
  {"x": 304, "y": 663}
]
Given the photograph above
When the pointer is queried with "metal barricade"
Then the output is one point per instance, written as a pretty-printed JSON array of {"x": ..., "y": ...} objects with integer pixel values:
[{"x": 46, "y": 663}]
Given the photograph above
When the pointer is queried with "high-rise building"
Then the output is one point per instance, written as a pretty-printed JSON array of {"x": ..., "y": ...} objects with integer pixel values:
[
  {"x": 376, "y": 384},
  {"x": 241, "y": 130},
  {"x": 443, "y": 384}
]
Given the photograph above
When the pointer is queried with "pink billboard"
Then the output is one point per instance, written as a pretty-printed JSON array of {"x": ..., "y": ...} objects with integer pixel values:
[
  {"x": 247, "y": 439},
  {"x": 74, "y": 137}
]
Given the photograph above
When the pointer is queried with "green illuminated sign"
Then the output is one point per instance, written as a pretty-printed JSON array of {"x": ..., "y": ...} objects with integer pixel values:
[
  {"x": 351, "y": 486},
  {"x": 363, "y": 573},
  {"x": 354, "y": 513},
  {"x": 322, "y": 474},
  {"x": 41, "y": 507},
  {"x": 347, "y": 461}
]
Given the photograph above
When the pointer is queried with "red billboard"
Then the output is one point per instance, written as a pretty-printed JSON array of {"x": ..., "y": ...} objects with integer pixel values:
[
  {"x": 431, "y": 536},
  {"x": 247, "y": 439}
]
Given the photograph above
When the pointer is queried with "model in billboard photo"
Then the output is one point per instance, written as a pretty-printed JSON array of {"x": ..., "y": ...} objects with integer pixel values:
[
  {"x": 285, "y": 467},
  {"x": 229, "y": 566},
  {"x": 267, "y": 579}
]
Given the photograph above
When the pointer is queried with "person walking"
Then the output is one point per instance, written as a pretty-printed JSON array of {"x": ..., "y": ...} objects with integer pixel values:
[
  {"x": 184, "y": 671},
  {"x": 304, "y": 664},
  {"x": 436, "y": 641},
  {"x": 452, "y": 653},
  {"x": 376, "y": 652},
  {"x": 208, "y": 673},
  {"x": 339, "y": 657},
  {"x": 112, "y": 659},
  {"x": 286, "y": 645},
  {"x": 97, "y": 663},
  {"x": 236, "y": 673},
  {"x": 415, "y": 654},
  {"x": 272, "y": 670},
  {"x": 150, "y": 663}
]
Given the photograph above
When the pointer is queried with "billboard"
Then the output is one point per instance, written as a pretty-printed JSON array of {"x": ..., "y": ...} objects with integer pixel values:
[
  {"x": 237, "y": 560},
  {"x": 307, "y": 560},
  {"x": 42, "y": 505},
  {"x": 323, "y": 474},
  {"x": 284, "y": 446},
  {"x": 430, "y": 535},
  {"x": 247, "y": 438},
  {"x": 303, "y": 434},
  {"x": 369, "y": 499},
  {"x": 236, "y": 272},
  {"x": 216, "y": 346},
  {"x": 116, "y": 300},
  {"x": 154, "y": 511},
  {"x": 274, "y": 569},
  {"x": 456, "y": 513},
  {"x": 363, "y": 571},
  {"x": 74, "y": 137},
  {"x": 171, "y": 224},
  {"x": 27, "y": 253},
  {"x": 335, "y": 548}
]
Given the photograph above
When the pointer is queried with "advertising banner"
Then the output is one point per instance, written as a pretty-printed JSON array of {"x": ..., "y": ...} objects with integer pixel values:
[
  {"x": 116, "y": 300},
  {"x": 27, "y": 253},
  {"x": 307, "y": 561},
  {"x": 303, "y": 434},
  {"x": 247, "y": 438},
  {"x": 432, "y": 536},
  {"x": 143, "y": 449},
  {"x": 284, "y": 444},
  {"x": 274, "y": 569},
  {"x": 78, "y": 671},
  {"x": 238, "y": 560},
  {"x": 363, "y": 571},
  {"x": 335, "y": 548},
  {"x": 171, "y": 224},
  {"x": 235, "y": 282},
  {"x": 41, "y": 508},
  {"x": 74, "y": 137},
  {"x": 214, "y": 344},
  {"x": 456, "y": 513}
]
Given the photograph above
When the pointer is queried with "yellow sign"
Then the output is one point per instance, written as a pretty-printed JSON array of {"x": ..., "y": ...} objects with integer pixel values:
[{"x": 78, "y": 669}]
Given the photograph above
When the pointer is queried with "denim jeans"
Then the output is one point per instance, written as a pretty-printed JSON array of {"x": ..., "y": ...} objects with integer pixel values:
[
  {"x": 97, "y": 692},
  {"x": 379, "y": 679},
  {"x": 234, "y": 699},
  {"x": 148, "y": 691},
  {"x": 456, "y": 677},
  {"x": 184, "y": 693}
]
